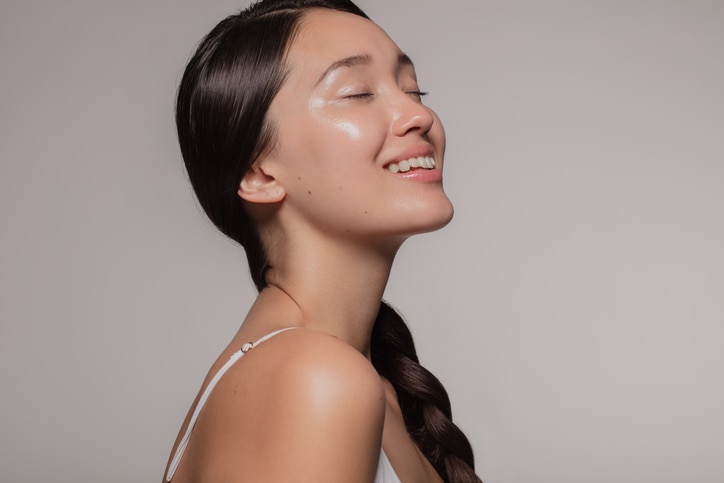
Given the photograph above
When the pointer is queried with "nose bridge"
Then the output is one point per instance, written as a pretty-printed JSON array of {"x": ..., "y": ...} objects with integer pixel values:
[{"x": 409, "y": 114}]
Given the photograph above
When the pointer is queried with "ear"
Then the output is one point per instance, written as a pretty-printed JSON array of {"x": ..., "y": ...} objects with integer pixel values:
[{"x": 259, "y": 187}]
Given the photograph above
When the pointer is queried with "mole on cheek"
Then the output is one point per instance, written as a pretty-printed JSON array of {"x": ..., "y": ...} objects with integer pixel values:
[{"x": 309, "y": 192}]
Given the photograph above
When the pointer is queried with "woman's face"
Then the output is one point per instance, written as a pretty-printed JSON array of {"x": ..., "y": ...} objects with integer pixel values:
[{"x": 354, "y": 144}]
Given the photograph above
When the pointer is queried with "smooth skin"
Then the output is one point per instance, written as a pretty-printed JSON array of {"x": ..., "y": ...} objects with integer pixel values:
[{"x": 307, "y": 405}]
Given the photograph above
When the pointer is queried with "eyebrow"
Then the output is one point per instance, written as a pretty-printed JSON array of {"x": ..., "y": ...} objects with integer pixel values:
[{"x": 361, "y": 59}]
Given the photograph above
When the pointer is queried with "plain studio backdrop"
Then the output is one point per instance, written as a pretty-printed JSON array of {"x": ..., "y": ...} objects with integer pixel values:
[{"x": 574, "y": 308}]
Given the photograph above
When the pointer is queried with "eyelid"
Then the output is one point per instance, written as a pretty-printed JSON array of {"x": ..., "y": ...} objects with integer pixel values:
[
  {"x": 359, "y": 95},
  {"x": 366, "y": 94},
  {"x": 354, "y": 91}
]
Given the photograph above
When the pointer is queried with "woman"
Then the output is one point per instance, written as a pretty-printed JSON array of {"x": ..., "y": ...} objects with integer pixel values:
[{"x": 305, "y": 138}]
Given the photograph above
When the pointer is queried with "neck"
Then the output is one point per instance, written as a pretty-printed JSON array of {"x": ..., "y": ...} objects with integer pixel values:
[{"x": 335, "y": 287}]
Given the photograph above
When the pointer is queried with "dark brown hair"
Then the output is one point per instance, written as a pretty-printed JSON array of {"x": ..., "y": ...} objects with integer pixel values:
[{"x": 223, "y": 99}]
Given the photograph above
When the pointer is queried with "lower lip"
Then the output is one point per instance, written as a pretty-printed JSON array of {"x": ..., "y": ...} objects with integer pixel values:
[{"x": 426, "y": 175}]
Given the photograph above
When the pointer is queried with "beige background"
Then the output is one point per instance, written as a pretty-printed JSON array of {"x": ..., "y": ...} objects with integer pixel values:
[{"x": 574, "y": 308}]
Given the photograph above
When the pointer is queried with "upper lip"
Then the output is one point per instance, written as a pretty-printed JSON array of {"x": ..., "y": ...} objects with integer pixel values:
[{"x": 418, "y": 151}]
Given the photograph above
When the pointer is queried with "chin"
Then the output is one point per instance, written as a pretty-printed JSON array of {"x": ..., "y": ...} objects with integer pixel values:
[
  {"x": 443, "y": 219},
  {"x": 435, "y": 218}
]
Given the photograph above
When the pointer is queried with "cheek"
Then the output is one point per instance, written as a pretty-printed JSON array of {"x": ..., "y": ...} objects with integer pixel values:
[
  {"x": 325, "y": 120},
  {"x": 324, "y": 158},
  {"x": 347, "y": 128}
]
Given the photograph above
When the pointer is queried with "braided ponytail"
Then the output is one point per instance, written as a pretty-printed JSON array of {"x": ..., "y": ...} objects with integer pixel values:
[{"x": 424, "y": 402}]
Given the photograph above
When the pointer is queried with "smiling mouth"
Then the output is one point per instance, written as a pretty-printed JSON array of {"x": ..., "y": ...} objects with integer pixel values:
[{"x": 423, "y": 162}]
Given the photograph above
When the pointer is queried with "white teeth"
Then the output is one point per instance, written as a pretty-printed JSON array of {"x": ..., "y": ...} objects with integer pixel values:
[{"x": 424, "y": 162}]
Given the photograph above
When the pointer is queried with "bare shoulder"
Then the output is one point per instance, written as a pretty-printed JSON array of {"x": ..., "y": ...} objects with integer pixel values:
[
  {"x": 302, "y": 406},
  {"x": 317, "y": 370},
  {"x": 311, "y": 353}
]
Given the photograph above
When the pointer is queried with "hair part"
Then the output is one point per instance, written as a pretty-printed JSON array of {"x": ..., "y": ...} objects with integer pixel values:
[{"x": 223, "y": 128}]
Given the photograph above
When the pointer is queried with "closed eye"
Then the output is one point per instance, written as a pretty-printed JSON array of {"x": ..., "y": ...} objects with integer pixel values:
[
  {"x": 361, "y": 95},
  {"x": 368, "y": 95},
  {"x": 416, "y": 94}
]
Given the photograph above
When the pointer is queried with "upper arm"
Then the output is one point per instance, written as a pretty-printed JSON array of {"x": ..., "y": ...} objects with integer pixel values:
[{"x": 309, "y": 408}]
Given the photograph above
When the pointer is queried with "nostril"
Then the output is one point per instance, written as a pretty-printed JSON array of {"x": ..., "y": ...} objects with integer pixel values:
[{"x": 419, "y": 121}]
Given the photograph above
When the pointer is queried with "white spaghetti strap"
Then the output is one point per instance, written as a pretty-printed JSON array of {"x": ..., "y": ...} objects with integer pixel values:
[{"x": 205, "y": 395}]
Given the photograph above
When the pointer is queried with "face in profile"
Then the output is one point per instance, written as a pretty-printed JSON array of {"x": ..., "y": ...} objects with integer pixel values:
[{"x": 356, "y": 151}]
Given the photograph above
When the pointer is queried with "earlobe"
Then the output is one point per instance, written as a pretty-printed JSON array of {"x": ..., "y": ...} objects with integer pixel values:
[{"x": 259, "y": 187}]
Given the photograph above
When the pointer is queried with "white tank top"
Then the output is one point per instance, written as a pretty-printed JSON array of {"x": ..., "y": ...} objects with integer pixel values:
[{"x": 385, "y": 472}]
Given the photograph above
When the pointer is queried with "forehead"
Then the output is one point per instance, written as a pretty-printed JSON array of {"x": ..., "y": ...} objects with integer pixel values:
[{"x": 325, "y": 36}]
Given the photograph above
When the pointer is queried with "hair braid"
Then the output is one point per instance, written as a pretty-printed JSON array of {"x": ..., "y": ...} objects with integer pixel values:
[{"x": 424, "y": 402}]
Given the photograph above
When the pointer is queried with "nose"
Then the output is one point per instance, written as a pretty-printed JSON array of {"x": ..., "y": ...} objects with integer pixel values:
[{"x": 411, "y": 115}]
